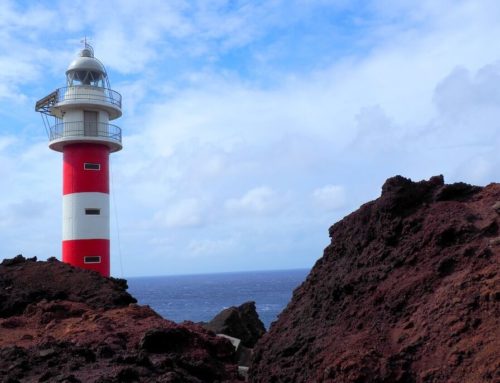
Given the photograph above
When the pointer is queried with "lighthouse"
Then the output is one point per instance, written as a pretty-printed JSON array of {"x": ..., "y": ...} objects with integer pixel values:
[{"x": 77, "y": 119}]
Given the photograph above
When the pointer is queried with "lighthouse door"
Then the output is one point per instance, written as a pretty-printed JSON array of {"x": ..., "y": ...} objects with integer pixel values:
[{"x": 90, "y": 123}]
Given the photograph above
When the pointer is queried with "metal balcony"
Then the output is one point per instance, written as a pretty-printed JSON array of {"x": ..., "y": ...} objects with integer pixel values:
[
  {"x": 65, "y": 133},
  {"x": 80, "y": 94}
]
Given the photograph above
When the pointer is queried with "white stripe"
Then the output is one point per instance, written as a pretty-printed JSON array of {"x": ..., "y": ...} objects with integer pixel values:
[{"x": 77, "y": 224}]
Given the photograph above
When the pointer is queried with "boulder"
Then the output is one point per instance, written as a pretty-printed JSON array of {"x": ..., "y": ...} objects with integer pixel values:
[{"x": 240, "y": 322}]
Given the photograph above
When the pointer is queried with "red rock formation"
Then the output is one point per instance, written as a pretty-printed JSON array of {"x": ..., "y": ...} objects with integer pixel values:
[
  {"x": 62, "y": 324},
  {"x": 407, "y": 291}
]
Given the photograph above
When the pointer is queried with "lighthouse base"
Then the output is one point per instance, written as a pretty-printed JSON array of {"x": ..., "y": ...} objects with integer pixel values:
[{"x": 90, "y": 254}]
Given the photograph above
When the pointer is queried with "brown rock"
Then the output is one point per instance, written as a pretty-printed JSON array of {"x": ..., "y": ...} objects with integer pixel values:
[
  {"x": 24, "y": 282},
  {"x": 405, "y": 292},
  {"x": 240, "y": 322},
  {"x": 63, "y": 324}
]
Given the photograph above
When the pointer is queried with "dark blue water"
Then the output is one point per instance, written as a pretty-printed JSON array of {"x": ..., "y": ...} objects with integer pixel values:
[{"x": 200, "y": 297}]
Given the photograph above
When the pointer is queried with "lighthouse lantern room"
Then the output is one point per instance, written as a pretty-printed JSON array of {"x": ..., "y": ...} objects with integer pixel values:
[{"x": 77, "y": 119}]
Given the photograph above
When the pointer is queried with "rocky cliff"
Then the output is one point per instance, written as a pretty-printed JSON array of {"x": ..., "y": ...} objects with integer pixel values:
[
  {"x": 63, "y": 324},
  {"x": 407, "y": 291}
]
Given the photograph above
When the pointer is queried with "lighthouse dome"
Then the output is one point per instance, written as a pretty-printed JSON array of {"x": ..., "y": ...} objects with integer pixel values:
[{"x": 86, "y": 70}]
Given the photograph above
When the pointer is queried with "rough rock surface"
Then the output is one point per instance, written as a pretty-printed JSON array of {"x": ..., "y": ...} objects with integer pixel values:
[
  {"x": 407, "y": 291},
  {"x": 241, "y": 322},
  {"x": 63, "y": 324},
  {"x": 25, "y": 281}
]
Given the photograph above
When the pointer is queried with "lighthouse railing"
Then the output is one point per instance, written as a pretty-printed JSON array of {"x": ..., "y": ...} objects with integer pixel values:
[
  {"x": 90, "y": 93},
  {"x": 80, "y": 129}
]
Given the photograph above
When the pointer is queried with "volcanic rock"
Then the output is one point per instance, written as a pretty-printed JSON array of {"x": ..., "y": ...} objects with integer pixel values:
[
  {"x": 64, "y": 324},
  {"x": 407, "y": 291},
  {"x": 25, "y": 281},
  {"x": 240, "y": 322}
]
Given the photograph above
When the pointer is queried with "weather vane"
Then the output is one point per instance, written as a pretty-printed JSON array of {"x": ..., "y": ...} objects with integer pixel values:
[
  {"x": 84, "y": 41},
  {"x": 87, "y": 46}
]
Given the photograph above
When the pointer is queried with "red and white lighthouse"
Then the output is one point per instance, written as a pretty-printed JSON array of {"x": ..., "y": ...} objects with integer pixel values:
[{"x": 82, "y": 132}]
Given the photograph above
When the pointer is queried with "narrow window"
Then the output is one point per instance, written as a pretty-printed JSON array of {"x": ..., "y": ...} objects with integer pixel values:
[
  {"x": 92, "y": 211},
  {"x": 91, "y": 166},
  {"x": 93, "y": 259}
]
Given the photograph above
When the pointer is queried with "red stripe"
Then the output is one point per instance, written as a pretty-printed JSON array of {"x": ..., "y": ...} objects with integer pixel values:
[
  {"x": 75, "y": 251},
  {"x": 78, "y": 180}
]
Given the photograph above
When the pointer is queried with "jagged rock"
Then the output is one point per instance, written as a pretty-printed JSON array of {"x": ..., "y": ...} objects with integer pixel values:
[
  {"x": 241, "y": 322},
  {"x": 63, "y": 324},
  {"x": 405, "y": 292},
  {"x": 24, "y": 282},
  {"x": 18, "y": 259}
]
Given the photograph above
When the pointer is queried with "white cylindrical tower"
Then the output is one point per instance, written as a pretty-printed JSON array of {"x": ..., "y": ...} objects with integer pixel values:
[{"x": 82, "y": 132}]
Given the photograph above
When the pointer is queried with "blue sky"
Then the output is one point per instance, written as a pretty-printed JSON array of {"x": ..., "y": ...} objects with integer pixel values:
[{"x": 249, "y": 126}]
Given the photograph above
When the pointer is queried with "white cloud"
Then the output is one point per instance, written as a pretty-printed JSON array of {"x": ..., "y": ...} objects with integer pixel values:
[
  {"x": 465, "y": 98},
  {"x": 6, "y": 142},
  {"x": 210, "y": 247},
  {"x": 375, "y": 130},
  {"x": 184, "y": 213},
  {"x": 258, "y": 200},
  {"x": 330, "y": 197}
]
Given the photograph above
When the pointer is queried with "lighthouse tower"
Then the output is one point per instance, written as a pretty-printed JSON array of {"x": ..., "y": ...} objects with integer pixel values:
[{"x": 81, "y": 112}]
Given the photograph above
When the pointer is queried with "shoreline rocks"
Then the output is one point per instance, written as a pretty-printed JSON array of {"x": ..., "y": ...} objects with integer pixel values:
[{"x": 63, "y": 324}]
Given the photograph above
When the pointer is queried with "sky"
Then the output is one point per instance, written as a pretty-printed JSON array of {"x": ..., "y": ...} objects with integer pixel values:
[{"x": 249, "y": 127}]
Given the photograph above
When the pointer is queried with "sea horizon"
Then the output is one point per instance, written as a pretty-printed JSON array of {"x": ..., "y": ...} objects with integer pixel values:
[
  {"x": 217, "y": 273},
  {"x": 200, "y": 297}
]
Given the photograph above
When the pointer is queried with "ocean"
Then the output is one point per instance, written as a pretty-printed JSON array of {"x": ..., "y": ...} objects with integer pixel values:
[{"x": 200, "y": 297}]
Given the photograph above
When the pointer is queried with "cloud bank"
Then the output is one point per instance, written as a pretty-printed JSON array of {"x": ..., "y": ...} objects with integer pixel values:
[{"x": 249, "y": 128}]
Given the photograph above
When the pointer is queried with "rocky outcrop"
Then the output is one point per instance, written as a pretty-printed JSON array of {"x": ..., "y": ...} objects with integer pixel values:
[
  {"x": 240, "y": 322},
  {"x": 25, "y": 281},
  {"x": 63, "y": 324},
  {"x": 407, "y": 291}
]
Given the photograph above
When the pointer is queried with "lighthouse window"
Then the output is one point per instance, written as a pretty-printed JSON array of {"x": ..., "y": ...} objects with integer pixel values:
[
  {"x": 91, "y": 166},
  {"x": 93, "y": 211},
  {"x": 92, "y": 259}
]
